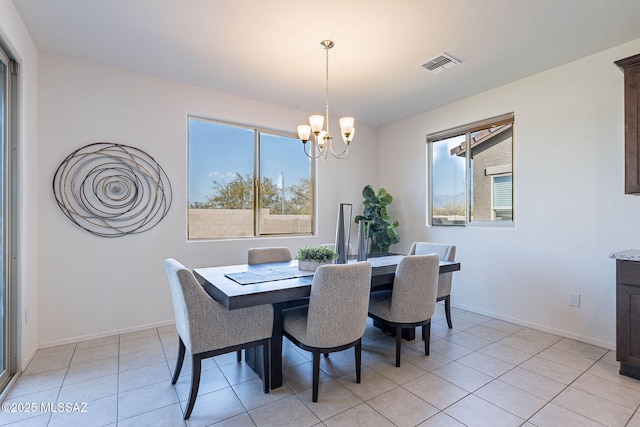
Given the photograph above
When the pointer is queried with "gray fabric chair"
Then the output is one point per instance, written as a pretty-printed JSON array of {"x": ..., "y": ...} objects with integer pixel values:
[
  {"x": 446, "y": 253},
  {"x": 412, "y": 300},
  {"x": 265, "y": 255},
  {"x": 206, "y": 328},
  {"x": 336, "y": 316}
]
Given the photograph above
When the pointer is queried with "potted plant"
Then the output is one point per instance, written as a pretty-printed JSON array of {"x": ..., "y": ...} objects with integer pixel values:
[
  {"x": 310, "y": 258},
  {"x": 381, "y": 228}
]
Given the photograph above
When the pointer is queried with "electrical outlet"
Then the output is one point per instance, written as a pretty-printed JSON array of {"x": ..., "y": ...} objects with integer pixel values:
[{"x": 574, "y": 299}]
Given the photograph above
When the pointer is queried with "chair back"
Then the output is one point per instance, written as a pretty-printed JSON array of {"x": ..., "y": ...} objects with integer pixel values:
[
  {"x": 184, "y": 291},
  {"x": 333, "y": 246},
  {"x": 413, "y": 298},
  {"x": 338, "y": 304},
  {"x": 446, "y": 253},
  {"x": 271, "y": 254}
]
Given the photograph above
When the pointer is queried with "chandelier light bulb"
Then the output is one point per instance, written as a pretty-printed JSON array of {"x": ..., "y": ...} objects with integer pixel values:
[
  {"x": 316, "y": 122},
  {"x": 304, "y": 132}
]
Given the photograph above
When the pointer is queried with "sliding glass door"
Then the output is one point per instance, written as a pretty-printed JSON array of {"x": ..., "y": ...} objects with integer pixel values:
[{"x": 6, "y": 320}]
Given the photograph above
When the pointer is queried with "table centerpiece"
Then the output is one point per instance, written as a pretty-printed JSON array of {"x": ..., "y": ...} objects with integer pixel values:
[{"x": 310, "y": 257}]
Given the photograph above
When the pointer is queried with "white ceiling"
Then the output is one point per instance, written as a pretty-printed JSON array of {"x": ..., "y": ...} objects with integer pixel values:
[{"x": 270, "y": 50}]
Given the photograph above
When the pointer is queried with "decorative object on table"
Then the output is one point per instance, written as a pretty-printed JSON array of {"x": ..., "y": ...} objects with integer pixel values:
[
  {"x": 112, "y": 190},
  {"x": 323, "y": 139},
  {"x": 343, "y": 232},
  {"x": 363, "y": 240},
  {"x": 381, "y": 229},
  {"x": 310, "y": 258}
]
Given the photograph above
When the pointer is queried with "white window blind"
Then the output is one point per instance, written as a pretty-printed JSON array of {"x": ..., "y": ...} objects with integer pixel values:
[{"x": 502, "y": 192}]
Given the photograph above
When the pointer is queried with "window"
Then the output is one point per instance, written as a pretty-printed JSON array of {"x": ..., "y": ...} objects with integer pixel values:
[
  {"x": 471, "y": 173},
  {"x": 246, "y": 182}
]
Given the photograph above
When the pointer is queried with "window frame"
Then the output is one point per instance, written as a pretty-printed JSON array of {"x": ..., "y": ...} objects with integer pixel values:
[
  {"x": 466, "y": 130},
  {"x": 257, "y": 132}
]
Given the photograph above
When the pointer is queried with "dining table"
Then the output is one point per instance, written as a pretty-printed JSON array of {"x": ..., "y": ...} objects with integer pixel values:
[{"x": 284, "y": 286}]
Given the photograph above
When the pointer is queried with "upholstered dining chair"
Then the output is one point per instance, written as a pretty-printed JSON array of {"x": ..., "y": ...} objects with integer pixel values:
[
  {"x": 207, "y": 329},
  {"x": 412, "y": 300},
  {"x": 263, "y": 256},
  {"x": 446, "y": 253},
  {"x": 333, "y": 246},
  {"x": 269, "y": 254},
  {"x": 336, "y": 316}
]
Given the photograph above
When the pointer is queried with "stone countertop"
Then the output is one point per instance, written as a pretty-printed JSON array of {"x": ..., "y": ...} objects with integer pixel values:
[{"x": 627, "y": 255}]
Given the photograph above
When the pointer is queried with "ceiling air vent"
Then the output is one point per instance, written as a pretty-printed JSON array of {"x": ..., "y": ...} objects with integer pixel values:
[{"x": 440, "y": 62}]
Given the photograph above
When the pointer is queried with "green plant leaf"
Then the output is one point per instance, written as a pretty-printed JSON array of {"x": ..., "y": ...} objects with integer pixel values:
[
  {"x": 381, "y": 226},
  {"x": 368, "y": 192},
  {"x": 387, "y": 199}
]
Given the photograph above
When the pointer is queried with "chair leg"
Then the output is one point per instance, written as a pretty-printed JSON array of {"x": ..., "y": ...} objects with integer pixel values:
[
  {"x": 426, "y": 336},
  {"x": 265, "y": 366},
  {"x": 195, "y": 384},
  {"x": 398, "y": 344},
  {"x": 316, "y": 375},
  {"x": 326, "y": 355},
  {"x": 447, "y": 310},
  {"x": 179, "y": 361},
  {"x": 358, "y": 352},
  {"x": 239, "y": 355}
]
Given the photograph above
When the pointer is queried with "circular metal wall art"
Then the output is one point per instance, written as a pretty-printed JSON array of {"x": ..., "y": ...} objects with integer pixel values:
[{"x": 112, "y": 190}]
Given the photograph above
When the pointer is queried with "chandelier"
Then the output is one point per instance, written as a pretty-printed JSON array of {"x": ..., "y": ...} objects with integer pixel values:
[{"x": 322, "y": 138}]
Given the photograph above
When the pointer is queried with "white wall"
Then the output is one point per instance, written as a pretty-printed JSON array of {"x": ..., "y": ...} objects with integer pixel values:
[
  {"x": 570, "y": 208},
  {"x": 14, "y": 34},
  {"x": 92, "y": 286},
  {"x": 569, "y": 203}
]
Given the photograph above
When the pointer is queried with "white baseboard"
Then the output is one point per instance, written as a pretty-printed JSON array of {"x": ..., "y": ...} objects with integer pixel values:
[
  {"x": 28, "y": 359},
  {"x": 72, "y": 340},
  {"x": 560, "y": 332}
]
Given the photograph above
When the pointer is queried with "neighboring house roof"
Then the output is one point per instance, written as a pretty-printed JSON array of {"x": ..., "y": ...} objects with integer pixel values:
[{"x": 480, "y": 137}]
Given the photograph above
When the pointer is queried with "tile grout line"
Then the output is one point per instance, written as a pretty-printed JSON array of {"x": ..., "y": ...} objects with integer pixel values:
[
  {"x": 75, "y": 347},
  {"x": 515, "y": 366},
  {"x": 566, "y": 387},
  {"x": 494, "y": 379}
]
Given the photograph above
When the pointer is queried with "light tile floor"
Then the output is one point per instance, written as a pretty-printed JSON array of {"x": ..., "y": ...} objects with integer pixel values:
[{"x": 483, "y": 372}]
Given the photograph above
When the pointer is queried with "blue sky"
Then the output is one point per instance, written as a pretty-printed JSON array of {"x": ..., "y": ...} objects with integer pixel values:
[
  {"x": 448, "y": 170},
  {"x": 218, "y": 151}
]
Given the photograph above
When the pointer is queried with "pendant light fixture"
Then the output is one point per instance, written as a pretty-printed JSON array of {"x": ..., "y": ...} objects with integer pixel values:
[{"x": 322, "y": 138}]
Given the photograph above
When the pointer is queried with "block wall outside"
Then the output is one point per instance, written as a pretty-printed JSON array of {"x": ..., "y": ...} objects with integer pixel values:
[{"x": 228, "y": 223}]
